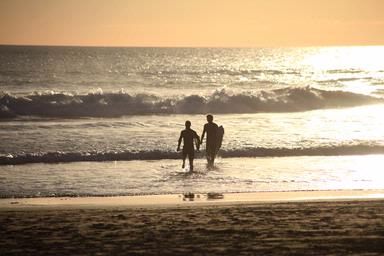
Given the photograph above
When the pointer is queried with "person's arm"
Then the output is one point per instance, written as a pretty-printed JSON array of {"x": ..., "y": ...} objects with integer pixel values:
[
  {"x": 180, "y": 138},
  {"x": 202, "y": 136}
]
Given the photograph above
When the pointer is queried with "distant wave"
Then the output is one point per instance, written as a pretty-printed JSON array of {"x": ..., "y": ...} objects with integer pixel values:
[
  {"x": 344, "y": 71},
  {"x": 344, "y": 79},
  {"x": 57, "y": 157},
  {"x": 229, "y": 72},
  {"x": 101, "y": 104}
]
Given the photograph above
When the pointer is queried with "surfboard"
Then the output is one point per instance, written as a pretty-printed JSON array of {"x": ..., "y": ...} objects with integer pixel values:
[{"x": 219, "y": 138}]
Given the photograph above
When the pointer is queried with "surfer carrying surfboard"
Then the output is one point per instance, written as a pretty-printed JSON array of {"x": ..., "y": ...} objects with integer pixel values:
[
  {"x": 189, "y": 136},
  {"x": 212, "y": 142}
]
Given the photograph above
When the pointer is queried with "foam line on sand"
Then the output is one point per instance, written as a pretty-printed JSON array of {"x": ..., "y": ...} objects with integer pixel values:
[{"x": 188, "y": 199}]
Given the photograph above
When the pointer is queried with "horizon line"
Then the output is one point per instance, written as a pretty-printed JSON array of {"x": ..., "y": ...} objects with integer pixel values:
[{"x": 175, "y": 46}]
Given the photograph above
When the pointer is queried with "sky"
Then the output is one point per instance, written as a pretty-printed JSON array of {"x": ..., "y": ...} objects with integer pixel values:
[{"x": 192, "y": 23}]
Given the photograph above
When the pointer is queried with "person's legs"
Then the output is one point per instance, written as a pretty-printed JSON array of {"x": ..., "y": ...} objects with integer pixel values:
[
  {"x": 208, "y": 155},
  {"x": 211, "y": 153},
  {"x": 191, "y": 156},
  {"x": 184, "y": 154}
]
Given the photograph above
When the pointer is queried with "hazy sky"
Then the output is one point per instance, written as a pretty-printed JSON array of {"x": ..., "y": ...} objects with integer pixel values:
[{"x": 245, "y": 23}]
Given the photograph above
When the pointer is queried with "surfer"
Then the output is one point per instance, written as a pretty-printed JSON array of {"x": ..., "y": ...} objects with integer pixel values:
[
  {"x": 188, "y": 136},
  {"x": 211, "y": 145}
]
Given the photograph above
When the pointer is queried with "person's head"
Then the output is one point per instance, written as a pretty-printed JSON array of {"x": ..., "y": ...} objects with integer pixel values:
[
  {"x": 209, "y": 118},
  {"x": 187, "y": 124}
]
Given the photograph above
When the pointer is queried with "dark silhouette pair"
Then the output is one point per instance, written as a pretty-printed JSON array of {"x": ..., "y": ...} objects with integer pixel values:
[{"x": 190, "y": 138}]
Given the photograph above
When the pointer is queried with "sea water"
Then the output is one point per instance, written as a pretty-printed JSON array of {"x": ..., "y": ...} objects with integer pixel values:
[{"x": 80, "y": 121}]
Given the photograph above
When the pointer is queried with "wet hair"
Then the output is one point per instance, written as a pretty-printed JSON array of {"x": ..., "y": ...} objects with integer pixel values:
[
  {"x": 187, "y": 123},
  {"x": 210, "y": 118}
]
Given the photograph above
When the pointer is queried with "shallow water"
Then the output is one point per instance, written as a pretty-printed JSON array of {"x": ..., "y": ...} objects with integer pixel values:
[{"x": 167, "y": 176}]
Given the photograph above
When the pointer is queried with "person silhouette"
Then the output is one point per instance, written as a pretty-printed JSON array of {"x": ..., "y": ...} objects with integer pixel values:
[
  {"x": 188, "y": 136},
  {"x": 211, "y": 144}
]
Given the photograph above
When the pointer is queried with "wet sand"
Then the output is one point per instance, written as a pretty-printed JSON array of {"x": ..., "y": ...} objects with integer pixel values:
[
  {"x": 173, "y": 200},
  {"x": 306, "y": 226}
]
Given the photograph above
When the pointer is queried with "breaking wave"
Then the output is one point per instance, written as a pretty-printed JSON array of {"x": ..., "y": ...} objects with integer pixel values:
[
  {"x": 60, "y": 157},
  {"x": 101, "y": 104}
]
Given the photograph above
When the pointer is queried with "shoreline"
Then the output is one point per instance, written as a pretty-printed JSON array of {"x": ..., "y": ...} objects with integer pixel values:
[{"x": 186, "y": 200}]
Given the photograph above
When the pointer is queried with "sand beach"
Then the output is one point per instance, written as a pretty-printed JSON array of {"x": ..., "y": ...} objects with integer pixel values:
[{"x": 286, "y": 223}]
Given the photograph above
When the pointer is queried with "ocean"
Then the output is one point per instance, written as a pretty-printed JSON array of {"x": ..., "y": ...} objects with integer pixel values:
[{"x": 100, "y": 121}]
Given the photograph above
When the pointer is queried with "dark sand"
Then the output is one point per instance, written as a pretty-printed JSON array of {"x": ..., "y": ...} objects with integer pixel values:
[{"x": 349, "y": 227}]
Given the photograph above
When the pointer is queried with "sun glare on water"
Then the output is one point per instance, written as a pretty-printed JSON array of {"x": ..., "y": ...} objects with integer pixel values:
[
  {"x": 356, "y": 69},
  {"x": 369, "y": 58},
  {"x": 369, "y": 168}
]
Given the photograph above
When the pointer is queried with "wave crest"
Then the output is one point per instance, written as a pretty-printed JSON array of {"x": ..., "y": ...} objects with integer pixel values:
[
  {"x": 57, "y": 157},
  {"x": 99, "y": 104}
]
